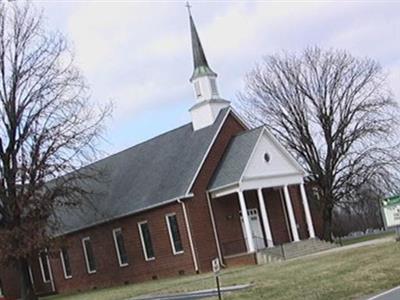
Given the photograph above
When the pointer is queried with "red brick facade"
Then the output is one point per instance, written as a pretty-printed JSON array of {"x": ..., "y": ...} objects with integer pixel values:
[
  {"x": 198, "y": 210},
  {"x": 299, "y": 213},
  {"x": 225, "y": 212},
  {"x": 108, "y": 271},
  {"x": 276, "y": 210}
]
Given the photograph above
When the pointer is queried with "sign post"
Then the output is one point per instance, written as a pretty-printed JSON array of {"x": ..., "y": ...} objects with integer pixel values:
[
  {"x": 391, "y": 212},
  {"x": 216, "y": 266}
]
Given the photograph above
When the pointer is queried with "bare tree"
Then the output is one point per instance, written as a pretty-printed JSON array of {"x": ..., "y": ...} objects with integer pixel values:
[
  {"x": 360, "y": 215},
  {"x": 48, "y": 128},
  {"x": 335, "y": 113}
]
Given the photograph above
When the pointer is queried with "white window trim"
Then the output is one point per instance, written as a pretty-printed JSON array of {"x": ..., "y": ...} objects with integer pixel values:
[
  {"x": 143, "y": 244},
  {"x": 42, "y": 267},
  {"x": 86, "y": 255},
  {"x": 115, "y": 231},
  {"x": 171, "y": 238},
  {"x": 31, "y": 275},
  {"x": 63, "y": 266}
]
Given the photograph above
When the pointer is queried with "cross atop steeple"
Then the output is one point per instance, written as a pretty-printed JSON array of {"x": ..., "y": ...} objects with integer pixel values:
[{"x": 188, "y": 6}]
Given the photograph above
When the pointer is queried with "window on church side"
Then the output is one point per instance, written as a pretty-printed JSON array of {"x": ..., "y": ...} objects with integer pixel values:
[
  {"x": 174, "y": 234},
  {"x": 197, "y": 88},
  {"x": 66, "y": 265},
  {"x": 44, "y": 266},
  {"x": 89, "y": 255},
  {"x": 120, "y": 247},
  {"x": 145, "y": 238}
]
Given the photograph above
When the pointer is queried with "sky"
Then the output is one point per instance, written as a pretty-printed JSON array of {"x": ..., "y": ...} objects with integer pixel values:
[{"x": 137, "y": 54}]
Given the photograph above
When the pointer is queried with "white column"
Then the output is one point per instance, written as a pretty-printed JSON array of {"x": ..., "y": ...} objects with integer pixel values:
[
  {"x": 307, "y": 211},
  {"x": 246, "y": 222},
  {"x": 292, "y": 219},
  {"x": 264, "y": 217}
]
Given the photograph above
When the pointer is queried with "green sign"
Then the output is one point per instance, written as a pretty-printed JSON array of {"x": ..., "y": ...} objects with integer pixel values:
[{"x": 391, "y": 201}]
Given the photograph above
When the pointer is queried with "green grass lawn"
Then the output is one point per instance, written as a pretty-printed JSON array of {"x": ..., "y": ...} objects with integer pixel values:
[
  {"x": 347, "y": 274},
  {"x": 366, "y": 238}
]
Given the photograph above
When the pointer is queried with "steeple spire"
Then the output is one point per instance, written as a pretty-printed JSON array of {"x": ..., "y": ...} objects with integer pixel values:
[
  {"x": 208, "y": 102},
  {"x": 200, "y": 63}
]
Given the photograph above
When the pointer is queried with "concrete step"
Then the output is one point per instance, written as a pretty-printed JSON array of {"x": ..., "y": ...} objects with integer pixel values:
[{"x": 296, "y": 249}]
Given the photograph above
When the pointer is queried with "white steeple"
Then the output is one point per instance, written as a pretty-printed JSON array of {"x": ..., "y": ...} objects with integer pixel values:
[{"x": 208, "y": 102}]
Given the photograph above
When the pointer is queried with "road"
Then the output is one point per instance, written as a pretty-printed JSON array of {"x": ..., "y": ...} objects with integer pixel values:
[
  {"x": 194, "y": 295},
  {"x": 393, "y": 294}
]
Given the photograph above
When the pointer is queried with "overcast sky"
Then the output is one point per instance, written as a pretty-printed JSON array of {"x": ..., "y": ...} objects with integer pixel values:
[{"x": 138, "y": 54}]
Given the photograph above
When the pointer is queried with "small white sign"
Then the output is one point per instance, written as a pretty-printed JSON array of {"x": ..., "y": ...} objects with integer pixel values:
[
  {"x": 216, "y": 266},
  {"x": 392, "y": 215}
]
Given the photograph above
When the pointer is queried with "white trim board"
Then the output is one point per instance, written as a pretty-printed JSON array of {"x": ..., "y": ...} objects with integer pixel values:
[
  {"x": 86, "y": 255},
  {"x": 63, "y": 265},
  {"x": 171, "y": 239},
  {"x": 146, "y": 258},
  {"x": 41, "y": 264},
  {"x": 117, "y": 250}
]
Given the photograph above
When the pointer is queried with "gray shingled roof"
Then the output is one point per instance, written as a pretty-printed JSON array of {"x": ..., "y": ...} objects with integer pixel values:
[
  {"x": 143, "y": 176},
  {"x": 235, "y": 159}
]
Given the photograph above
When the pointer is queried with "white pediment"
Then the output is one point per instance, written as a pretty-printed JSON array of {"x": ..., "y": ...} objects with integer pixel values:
[{"x": 270, "y": 159}]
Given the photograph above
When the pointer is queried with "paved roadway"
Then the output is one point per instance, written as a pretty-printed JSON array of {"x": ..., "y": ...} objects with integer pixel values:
[
  {"x": 195, "y": 295},
  {"x": 393, "y": 294}
]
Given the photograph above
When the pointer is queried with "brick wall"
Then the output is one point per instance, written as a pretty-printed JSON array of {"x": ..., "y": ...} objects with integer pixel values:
[
  {"x": 226, "y": 211},
  {"x": 240, "y": 260},
  {"x": 198, "y": 211},
  {"x": 10, "y": 282},
  {"x": 276, "y": 216},
  {"x": 109, "y": 272},
  {"x": 299, "y": 213}
]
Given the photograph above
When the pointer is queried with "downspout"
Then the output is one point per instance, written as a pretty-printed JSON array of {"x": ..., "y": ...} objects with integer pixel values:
[
  {"x": 215, "y": 230},
  {"x": 189, "y": 232}
]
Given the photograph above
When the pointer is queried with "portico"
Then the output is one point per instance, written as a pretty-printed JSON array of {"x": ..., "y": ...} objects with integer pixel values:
[{"x": 258, "y": 196}]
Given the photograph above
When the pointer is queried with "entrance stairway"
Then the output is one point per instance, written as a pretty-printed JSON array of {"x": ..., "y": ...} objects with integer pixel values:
[{"x": 292, "y": 250}]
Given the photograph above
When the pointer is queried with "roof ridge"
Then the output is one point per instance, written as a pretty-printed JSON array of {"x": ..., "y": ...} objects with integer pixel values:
[{"x": 92, "y": 164}]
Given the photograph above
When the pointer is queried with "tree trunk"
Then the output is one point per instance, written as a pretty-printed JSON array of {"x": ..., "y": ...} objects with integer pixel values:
[
  {"x": 327, "y": 219},
  {"x": 27, "y": 292}
]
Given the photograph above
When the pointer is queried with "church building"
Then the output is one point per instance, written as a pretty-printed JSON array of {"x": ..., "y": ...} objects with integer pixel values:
[{"x": 213, "y": 188}]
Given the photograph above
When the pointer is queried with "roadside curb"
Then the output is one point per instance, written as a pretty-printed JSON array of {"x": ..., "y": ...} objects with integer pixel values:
[{"x": 193, "y": 293}]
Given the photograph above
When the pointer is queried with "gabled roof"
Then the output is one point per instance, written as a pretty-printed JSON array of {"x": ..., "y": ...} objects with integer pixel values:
[
  {"x": 149, "y": 174},
  {"x": 235, "y": 159},
  {"x": 244, "y": 160}
]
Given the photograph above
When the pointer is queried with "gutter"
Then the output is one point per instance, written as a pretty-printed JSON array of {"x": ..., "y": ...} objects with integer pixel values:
[
  {"x": 215, "y": 230},
  {"x": 106, "y": 220},
  {"x": 189, "y": 232}
]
